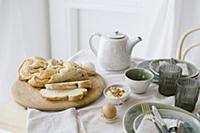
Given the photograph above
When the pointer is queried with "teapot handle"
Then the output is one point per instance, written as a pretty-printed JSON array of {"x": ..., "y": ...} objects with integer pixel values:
[{"x": 91, "y": 44}]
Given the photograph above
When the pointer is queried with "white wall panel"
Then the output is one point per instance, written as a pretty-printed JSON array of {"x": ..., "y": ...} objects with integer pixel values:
[
  {"x": 91, "y": 21},
  {"x": 73, "y": 21}
]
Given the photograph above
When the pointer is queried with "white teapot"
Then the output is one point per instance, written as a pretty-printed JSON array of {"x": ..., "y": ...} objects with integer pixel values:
[{"x": 114, "y": 50}]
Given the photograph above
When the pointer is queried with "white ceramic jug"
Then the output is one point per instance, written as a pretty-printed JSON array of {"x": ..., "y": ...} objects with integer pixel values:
[{"x": 114, "y": 50}]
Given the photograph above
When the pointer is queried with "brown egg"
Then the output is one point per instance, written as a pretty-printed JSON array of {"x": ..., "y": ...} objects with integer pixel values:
[{"x": 109, "y": 111}]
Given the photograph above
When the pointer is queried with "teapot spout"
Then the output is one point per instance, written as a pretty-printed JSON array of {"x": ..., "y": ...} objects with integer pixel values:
[{"x": 132, "y": 43}]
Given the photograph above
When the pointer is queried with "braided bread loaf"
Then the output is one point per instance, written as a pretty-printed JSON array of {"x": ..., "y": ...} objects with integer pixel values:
[{"x": 38, "y": 71}]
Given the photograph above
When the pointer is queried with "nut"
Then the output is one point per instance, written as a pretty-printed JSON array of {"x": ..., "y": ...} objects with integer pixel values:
[{"x": 117, "y": 91}]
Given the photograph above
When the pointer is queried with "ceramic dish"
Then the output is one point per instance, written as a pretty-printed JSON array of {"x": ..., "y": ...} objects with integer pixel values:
[
  {"x": 117, "y": 100},
  {"x": 144, "y": 64},
  {"x": 191, "y": 125},
  {"x": 134, "y": 111},
  {"x": 155, "y": 64},
  {"x": 138, "y": 79}
]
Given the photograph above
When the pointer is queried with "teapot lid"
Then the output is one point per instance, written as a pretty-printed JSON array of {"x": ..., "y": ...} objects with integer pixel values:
[{"x": 115, "y": 35}]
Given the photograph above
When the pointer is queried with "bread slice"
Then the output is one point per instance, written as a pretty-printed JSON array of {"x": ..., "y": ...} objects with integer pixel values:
[
  {"x": 70, "y": 95},
  {"x": 69, "y": 85},
  {"x": 61, "y": 86},
  {"x": 84, "y": 84}
]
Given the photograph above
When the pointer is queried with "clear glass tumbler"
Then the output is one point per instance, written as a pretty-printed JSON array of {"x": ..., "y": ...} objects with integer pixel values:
[
  {"x": 168, "y": 75},
  {"x": 187, "y": 93}
]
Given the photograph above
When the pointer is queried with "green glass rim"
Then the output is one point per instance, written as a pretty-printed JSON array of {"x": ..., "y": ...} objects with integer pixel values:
[{"x": 182, "y": 82}]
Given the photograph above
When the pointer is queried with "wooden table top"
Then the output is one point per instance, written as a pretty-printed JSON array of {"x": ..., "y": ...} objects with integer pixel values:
[{"x": 13, "y": 118}]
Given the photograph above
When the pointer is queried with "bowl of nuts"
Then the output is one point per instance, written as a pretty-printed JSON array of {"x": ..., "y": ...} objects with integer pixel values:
[{"x": 117, "y": 93}]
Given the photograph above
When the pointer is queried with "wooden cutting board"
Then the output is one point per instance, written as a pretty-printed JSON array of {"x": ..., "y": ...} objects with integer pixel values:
[{"x": 27, "y": 96}]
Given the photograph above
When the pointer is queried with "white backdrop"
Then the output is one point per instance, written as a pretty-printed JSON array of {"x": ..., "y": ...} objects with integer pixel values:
[
  {"x": 159, "y": 22},
  {"x": 24, "y": 31},
  {"x": 171, "y": 20}
]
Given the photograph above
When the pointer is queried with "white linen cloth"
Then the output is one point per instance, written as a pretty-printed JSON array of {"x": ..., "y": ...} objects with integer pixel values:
[
  {"x": 88, "y": 118},
  {"x": 147, "y": 126},
  {"x": 52, "y": 122}
]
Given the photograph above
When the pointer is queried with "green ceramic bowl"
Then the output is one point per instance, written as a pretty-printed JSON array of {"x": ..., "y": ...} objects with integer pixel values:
[
  {"x": 138, "y": 79},
  {"x": 145, "y": 65}
]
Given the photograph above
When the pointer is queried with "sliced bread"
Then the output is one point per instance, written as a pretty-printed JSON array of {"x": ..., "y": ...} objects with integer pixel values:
[
  {"x": 84, "y": 84},
  {"x": 70, "y": 95},
  {"x": 69, "y": 85}
]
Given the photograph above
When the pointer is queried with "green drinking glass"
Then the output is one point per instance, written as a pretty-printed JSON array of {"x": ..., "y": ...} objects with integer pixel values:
[
  {"x": 168, "y": 75},
  {"x": 187, "y": 93}
]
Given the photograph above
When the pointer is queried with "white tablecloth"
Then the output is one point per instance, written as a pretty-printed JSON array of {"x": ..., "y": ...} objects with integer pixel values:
[{"x": 89, "y": 116}]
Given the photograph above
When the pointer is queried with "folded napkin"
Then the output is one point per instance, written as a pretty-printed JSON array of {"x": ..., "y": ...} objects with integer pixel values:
[
  {"x": 147, "y": 126},
  {"x": 52, "y": 122}
]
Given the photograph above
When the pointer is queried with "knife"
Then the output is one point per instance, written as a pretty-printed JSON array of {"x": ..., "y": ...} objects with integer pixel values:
[
  {"x": 180, "y": 127},
  {"x": 157, "y": 124},
  {"x": 159, "y": 119}
]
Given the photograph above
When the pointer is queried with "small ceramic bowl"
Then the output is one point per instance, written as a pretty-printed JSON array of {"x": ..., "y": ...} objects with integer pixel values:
[
  {"x": 138, "y": 79},
  {"x": 117, "y": 100}
]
